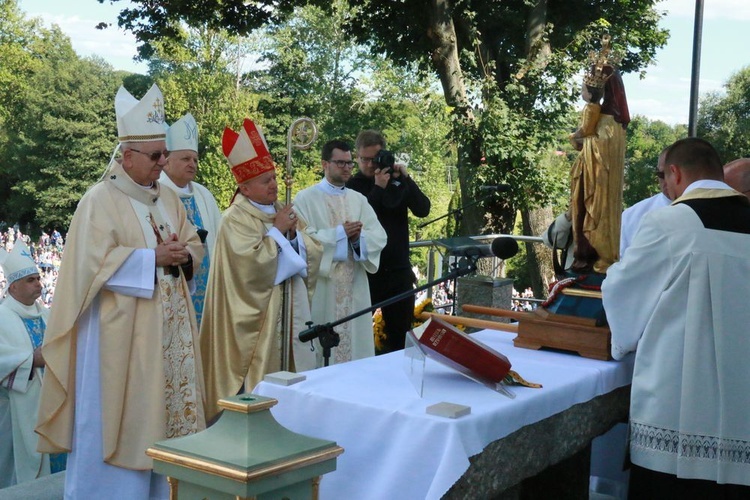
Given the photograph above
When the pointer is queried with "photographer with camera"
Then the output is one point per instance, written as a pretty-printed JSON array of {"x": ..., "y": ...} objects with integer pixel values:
[{"x": 392, "y": 193}]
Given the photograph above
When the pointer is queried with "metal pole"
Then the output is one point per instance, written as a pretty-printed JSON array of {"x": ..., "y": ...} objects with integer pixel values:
[{"x": 695, "y": 76}]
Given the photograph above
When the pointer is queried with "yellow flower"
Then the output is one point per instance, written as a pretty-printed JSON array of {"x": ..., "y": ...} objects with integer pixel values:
[{"x": 378, "y": 325}]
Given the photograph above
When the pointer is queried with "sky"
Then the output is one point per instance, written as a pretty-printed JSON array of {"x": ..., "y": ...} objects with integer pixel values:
[{"x": 664, "y": 94}]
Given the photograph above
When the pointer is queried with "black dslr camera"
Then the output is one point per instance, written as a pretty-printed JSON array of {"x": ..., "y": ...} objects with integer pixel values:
[{"x": 384, "y": 160}]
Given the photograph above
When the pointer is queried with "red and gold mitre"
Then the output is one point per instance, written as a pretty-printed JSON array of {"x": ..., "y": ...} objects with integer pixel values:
[{"x": 246, "y": 151}]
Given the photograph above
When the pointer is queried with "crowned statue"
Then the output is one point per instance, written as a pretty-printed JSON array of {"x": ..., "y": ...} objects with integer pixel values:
[{"x": 598, "y": 171}]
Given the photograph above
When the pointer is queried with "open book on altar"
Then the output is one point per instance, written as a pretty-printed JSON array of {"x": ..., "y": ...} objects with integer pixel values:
[{"x": 451, "y": 347}]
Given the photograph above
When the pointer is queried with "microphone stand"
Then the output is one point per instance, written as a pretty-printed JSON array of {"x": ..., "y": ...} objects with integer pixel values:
[
  {"x": 456, "y": 211},
  {"x": 329, "y": 338}
]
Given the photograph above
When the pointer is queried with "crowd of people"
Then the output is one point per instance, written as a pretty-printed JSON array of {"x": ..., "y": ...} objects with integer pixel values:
[
  {"x": 522, "y": 301},
  {"x": 46, "y": 253}
]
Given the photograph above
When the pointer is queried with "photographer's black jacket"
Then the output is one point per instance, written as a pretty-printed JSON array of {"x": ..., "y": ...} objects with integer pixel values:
[{"x": 391, "y": 205}]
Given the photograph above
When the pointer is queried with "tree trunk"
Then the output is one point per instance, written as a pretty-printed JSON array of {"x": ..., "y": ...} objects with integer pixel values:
[
  {"x": 538, "y": 257},
  {"x": 536, "y": 221},
  {"x": 442, "y": 35}
]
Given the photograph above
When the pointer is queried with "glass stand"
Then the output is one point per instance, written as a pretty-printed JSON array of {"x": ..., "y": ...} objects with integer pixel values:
[{"x": 417, "y": 369}]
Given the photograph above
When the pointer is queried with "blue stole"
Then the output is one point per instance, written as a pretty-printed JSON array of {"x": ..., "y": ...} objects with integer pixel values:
[
  {"x": 35, "y": 328},
  {"x": 200, "y": 275}
]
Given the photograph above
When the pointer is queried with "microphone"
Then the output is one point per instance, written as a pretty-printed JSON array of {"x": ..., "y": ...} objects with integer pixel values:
[
  {"x": 471, "y": 251},
  {"x": 499, "y": 188},
  {"x": 504, "y": 247}
]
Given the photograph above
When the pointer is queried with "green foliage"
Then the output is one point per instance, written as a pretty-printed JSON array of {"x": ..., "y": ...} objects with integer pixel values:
[
  {"x": 58, "y": 131},
  {"x": 645, "y": 141},
  {"x": 724, "y": 118},
  {"x": 197, "y": 74}
]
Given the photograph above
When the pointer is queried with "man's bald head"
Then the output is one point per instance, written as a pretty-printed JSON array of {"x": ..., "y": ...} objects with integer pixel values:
[{"x": 737, "y": 175}]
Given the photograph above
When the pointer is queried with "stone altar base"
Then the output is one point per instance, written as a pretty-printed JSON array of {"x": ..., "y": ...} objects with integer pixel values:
[{"x": 556, "y": 458}]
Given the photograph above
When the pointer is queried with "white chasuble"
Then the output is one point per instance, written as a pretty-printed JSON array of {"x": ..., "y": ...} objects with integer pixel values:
[{"x": 342, "y": 287}]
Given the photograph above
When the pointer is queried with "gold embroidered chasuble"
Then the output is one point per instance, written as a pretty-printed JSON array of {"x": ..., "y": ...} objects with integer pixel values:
[
  {"x": 150, "y": 368},
  {"x": 241, "y": 327}
]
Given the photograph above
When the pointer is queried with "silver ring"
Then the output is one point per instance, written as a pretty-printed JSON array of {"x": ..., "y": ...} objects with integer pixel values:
[{"x": 291, "y": 215}]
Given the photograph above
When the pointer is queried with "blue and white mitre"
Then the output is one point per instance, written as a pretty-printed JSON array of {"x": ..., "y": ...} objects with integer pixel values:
[
  {"x": 17, "y": 263},
  {"x": 183, "y": 134}
]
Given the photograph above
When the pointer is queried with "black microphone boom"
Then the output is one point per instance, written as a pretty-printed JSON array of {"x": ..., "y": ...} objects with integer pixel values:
[
  {"x": 503, "y": 247},
  {"x": 499, "y": 188}
]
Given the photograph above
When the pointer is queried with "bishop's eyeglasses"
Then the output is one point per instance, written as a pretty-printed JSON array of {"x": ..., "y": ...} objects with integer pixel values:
[{"x": 153, "y": 155}]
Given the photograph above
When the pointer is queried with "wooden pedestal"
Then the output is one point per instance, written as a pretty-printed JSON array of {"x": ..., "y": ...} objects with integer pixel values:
[
  {"x": 558, "y": 331},
  {"x": 588, "y": 341}
]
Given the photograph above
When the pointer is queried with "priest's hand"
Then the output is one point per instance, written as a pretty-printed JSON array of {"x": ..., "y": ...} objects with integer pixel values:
[
  {"x": 38, "y": 361},
  {"x": 286, "y": 221},
  {"x": 353, "y": 230},
  {"x": 171, "y": 252}
]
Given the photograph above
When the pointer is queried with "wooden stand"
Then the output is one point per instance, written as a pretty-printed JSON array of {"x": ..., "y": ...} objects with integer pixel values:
[{"x": 544, "y": 329}]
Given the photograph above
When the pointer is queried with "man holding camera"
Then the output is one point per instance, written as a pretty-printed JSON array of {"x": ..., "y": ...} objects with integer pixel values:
[{"x": 392, "y": 193}]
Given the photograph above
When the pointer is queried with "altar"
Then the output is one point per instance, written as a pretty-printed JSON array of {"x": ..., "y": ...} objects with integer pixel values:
[{"x": 394, "y": 449}]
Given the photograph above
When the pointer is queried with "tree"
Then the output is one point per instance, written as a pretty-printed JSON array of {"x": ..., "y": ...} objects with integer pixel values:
[
  {"x": 196, "y": 74},
  {"x": 515, "y": 55},
  {"x": 58, "y": 132},
  {"x": 724, "y": 119},
  {"x": 646, "y": 140}
]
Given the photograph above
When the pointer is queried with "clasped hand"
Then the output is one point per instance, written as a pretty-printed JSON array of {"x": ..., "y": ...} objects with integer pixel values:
[
  {"x": 171, "y": 252},
  {"x": 353, "y": 230},
  {"x": 286, "y": 221}
]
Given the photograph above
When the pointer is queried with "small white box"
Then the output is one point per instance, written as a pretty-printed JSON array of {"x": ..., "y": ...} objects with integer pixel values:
[
  {"x": 284, "y": 378},
  {"x": 448, "y": 410}
]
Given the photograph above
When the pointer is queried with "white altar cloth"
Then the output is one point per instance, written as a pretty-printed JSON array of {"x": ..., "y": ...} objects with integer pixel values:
[{"x": 393, "y": 449}]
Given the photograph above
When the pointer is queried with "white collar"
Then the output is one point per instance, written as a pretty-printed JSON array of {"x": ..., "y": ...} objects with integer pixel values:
[
  {"x": 329, "y": 188},
  {"x": 705, "y": 184},
  {"x": 24, "y": 311},
  {"x": 266, "y": 209}
]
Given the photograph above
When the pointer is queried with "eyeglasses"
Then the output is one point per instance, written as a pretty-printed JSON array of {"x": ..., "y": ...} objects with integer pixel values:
[
  {"x": 366, "y": 159},
  {"x": 660, "y": 175},
  {"x": 342, "y": 163},
  {"x": 153, "y": 155}
]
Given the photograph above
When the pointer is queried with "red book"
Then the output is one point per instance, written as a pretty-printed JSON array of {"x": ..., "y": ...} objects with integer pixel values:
[{"x": 452, "y": 347}]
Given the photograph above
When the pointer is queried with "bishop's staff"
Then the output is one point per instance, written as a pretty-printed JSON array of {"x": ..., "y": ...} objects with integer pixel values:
[{"x": 302, "y": 133}]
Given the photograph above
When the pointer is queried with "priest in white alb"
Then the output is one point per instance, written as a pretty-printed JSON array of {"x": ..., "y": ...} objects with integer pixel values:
[
  {"x": 200, "y": 205},
  {"x": 352, "y": 237},
  {"x": 123, "y": 367},
  {"x": 22, "y": 323}
]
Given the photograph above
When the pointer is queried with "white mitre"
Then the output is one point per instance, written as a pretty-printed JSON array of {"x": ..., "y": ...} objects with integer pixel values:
[
  {"x": 140, "y": 121},
  {"x": 18, "y": 263},
  {"x": 183, "y": 134}
]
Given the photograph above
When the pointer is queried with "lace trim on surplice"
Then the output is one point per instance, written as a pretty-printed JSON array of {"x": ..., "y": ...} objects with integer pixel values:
[{"x": 684, "y": 445}]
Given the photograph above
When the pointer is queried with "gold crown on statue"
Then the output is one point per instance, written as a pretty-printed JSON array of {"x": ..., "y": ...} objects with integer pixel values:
[{"x": 595, "y": 75}]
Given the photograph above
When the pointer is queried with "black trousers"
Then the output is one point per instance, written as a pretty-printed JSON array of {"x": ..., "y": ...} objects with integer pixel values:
[
  {"x": 646, "y": 484},
  {"x": 399, "y": 315}
]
